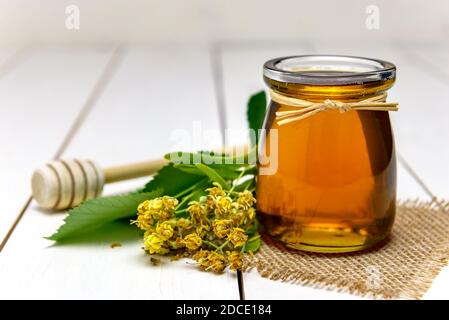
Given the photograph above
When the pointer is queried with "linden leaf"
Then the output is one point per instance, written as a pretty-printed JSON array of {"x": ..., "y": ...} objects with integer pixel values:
[
  {"x": 253, "y": 244},
  {"x": 172, "y": 180},
  {"x": 211, "y": 173},
  {"x": 228, "y": 172},
  {"x": 211, "y": 159},
  {"x": 252, "y": 231},
  {"x": 256, "y": 109},
  {"x": 94, "y": 213}
]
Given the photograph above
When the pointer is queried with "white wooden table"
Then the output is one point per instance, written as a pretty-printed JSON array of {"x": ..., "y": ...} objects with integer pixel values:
[{"x": 118, "y": 105}]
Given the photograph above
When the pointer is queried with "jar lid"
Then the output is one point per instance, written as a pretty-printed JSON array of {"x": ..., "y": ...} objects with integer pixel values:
[{"x": 328, "y": 69}]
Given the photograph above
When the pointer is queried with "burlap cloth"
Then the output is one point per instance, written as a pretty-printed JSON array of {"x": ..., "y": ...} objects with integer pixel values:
[{"x": 402, "y": 267}]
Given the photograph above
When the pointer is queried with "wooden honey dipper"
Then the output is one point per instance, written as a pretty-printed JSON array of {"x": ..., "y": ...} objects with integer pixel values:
[{"x": 63, "y": 184}]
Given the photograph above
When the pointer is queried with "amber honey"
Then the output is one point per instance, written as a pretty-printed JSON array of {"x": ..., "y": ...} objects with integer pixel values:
[{"x": 335, "y": 186}]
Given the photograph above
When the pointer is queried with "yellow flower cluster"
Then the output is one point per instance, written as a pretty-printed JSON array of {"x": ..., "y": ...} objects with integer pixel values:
[{"x": 211, "y": 230}]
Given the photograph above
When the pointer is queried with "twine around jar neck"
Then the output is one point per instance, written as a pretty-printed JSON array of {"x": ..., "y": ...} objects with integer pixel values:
[{"x": 308, "y": 108}]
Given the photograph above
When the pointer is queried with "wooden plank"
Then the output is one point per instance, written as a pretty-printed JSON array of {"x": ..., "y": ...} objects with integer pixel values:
[
  {"x": 432, "y": 132},
  {"x": 433, "y": 61},
  {"x": 10, "y": 57},
  {"x": 156, "y": 92},
  {"x": 243, "y": 76},
  {"x": 39, "y": 98}
]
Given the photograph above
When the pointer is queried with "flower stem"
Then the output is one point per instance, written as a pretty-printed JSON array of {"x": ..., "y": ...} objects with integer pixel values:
[
  {"x": 184, "y": 200},
  {"x": 210, "y": 244},
  {"x": 254, "y": 238},
  {"x": 220, "y": 248},
  {"x": 236, "y": 180},
  {"x": 180, "y": 211},
  {"x": 193, "y": 186}
]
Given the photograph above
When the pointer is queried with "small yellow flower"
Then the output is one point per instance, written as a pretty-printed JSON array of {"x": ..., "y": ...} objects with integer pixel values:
[
  {"x": 251, "y": 213},
  {"x": 210, "y": 202},
  {"x": 184, "y": 223},
  {"x": 153, "y": 243},
  {"x": 223, "y": 206},
  {"x": 155, "y": 205},
  {"x": 238, "y": 237},
  {"x": 201, "y": 254},
  {"x": 218, "y": 217},
  {"x": 193, "y": 241},
  {"x": 169, "y": 203},
  {"x": 164, "y": 230},
  {"x": 159, "y": 208},
  {"x": 179, "y": 243},
  {"x": 163, "y": 251},
  {"x": 241, "y": 217},
  {"x": 221, "y": 228},
  {"x": 208, "y": 260},
  {"x": 246, "y": 199},
  {"x": 216, "y": 191},
  {"x": 144, "y": 208},
  {"x": 147, "y": 234},
  {"x": 216, "y": 262},
  {"x": 238, "y": 216},
  {"x": 168, "y": 208},
  {"x": 202, "y": 229},
  {"x": 235, "y": 260},
  {"x": 197, "y": 212},
  {"x": 144, "y": 221}
]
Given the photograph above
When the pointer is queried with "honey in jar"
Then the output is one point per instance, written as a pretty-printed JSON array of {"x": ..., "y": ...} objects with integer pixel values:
[{"x": 334, "y": 189}]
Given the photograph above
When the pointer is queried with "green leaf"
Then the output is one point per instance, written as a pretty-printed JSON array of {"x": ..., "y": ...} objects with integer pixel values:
[
  {"x": 94, "y": 213},
  {"x": 193, "y": 196},
  {"x": 117, "y": 231},
  {"x": 256, "y": 110},
  {"x": 253, "y": 229},
  {"x": 172, "y": 180},
  {"x": 253, "y": 244},
  {"x": 227, "y": 172},
  {"x": 209, "y": 158},
  {"x": 213, "y": 160},
  {"x": 189, "y": 169},
  {"x": 211, "y": 173},
  {"x": 248, "y": 184}
]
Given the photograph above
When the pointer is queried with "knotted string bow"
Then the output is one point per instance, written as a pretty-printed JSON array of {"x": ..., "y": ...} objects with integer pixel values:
[{"x": 308, "y": 108}]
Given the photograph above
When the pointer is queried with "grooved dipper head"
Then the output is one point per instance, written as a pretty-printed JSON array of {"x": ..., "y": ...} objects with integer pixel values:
[{"x": 64, "y": 184}]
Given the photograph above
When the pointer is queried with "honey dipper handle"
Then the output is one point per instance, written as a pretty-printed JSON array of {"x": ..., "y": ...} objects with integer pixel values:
[{"x": 134, "y": 170}]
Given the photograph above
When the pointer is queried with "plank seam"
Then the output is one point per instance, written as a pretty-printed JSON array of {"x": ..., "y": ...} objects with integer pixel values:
[
  {"x": 415, "y": 176},
  {"x": 98, "y": 89},
  {"x": 425, "y": 65},
  {"x": 439, "y": 76},
  {"x": 217, "y": 69},
  {"x": 15, "y": 223},
  {"x": 217, "y": 75},
  {"x": 14, "y": 60},
  {"x": 101, "y": 84}
]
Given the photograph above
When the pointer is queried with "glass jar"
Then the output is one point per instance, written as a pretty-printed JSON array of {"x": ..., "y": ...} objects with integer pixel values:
[{"x": 334, "y": 189}]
